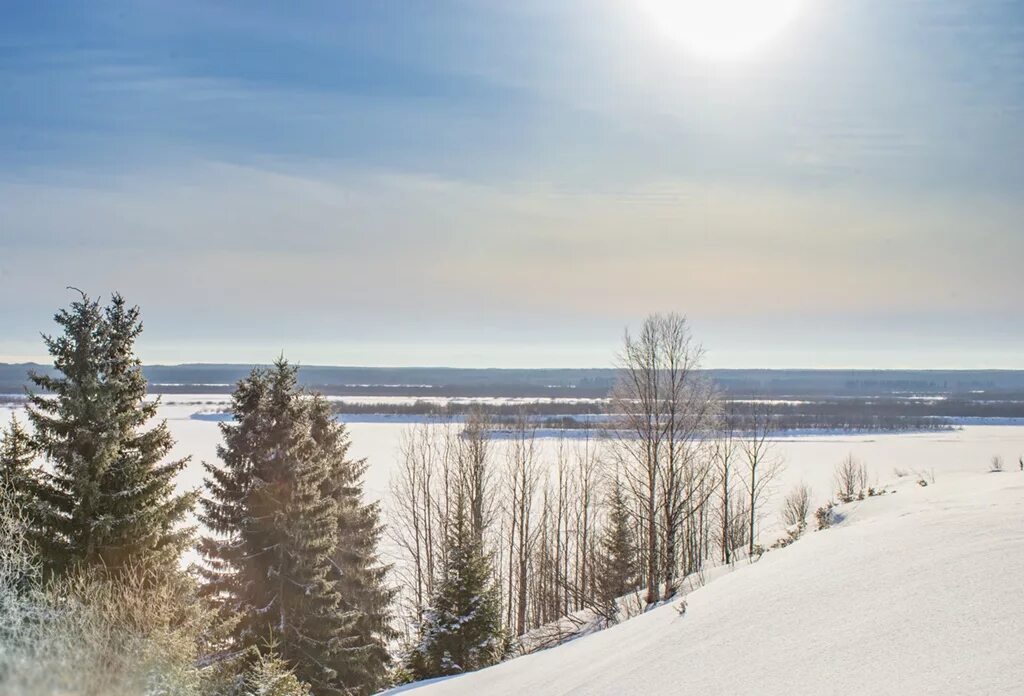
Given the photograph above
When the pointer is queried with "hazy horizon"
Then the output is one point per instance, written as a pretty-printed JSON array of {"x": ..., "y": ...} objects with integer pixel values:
[{"x": 479, "y": 360}]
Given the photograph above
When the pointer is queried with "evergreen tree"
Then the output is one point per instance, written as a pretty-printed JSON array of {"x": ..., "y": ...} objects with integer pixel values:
[
  {"x": 462, "y": 628},
  {"x": 360, "y": 575},
  {"x": 270, "y": 561},
  {"x": 617, "y": 574},
  {"x": 109, "y": 498},
  {"x": 18, "y": 477}
]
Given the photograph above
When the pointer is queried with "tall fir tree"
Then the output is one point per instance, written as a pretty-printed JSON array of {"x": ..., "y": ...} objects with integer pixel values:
[
  {"x": 617, "y": 573},
  {"x": 361, "y": 577},
  {"x": 19, "y": 478},
  {"x": 108, "y": 499},
  {"x": 274, "y": 511},
  {"x": 462, "y": 627}
]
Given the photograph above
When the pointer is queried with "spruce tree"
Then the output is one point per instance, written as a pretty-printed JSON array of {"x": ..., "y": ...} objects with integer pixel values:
[
  {"x": 360, "y": 575},
  {"x": 109, "y": 497},
  {"x": 462, "y": 627},
  {"x": 269, "y": 560},
  {"x": 617, "y": 574},
  {"x": 19, "y": 478}
]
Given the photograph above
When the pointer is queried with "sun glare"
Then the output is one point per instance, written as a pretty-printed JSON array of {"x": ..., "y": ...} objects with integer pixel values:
[{"x": 722, "y": 30}]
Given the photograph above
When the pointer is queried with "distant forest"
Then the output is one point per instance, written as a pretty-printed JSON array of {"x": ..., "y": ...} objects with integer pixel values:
[
  {"x": 848, "y": 414},
  {"x": 567, "y": 383},
  {"x": 848, "y": 400}
]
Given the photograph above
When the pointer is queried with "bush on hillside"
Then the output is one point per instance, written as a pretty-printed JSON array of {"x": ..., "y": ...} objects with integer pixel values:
[{"x": 825, "y": 516}]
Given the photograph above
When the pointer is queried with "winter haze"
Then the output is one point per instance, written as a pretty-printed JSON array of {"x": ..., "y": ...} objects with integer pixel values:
[{"x": 485, "y": 184}]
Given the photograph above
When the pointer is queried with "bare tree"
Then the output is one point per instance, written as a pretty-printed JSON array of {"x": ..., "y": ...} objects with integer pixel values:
[
  {"x": 726, "y": 453},
  {"x": 664, "y": 412},
  {"x": 797, "y": 506},
  {"x": 637, "y": 401},
  {"x": 585, "y": 514},
  {"x": 472, "y": 450},
  {"x": 522, "y": 481},
  {"x": 763, "y": 465},
  {"x": 412, "y": 520},
  {"x": 691, "y": 410}
]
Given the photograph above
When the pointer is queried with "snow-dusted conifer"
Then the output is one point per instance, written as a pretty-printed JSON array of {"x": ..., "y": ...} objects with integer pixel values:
[
  {"x": 617, "y": 573},
  {"x": 19, "y": 479},
  {"x": 273, "y": 558},
  {"x": 462, "y": 627},
  {"x": 357, "y": 570},
  {"x": 109, "y": 498}
]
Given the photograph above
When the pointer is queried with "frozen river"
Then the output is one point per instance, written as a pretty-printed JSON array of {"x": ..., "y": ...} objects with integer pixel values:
[{"x": 810, "y": 459}]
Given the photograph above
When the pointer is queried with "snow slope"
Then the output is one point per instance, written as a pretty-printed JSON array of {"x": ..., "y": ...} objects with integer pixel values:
[{"x": 916, "y": 592}]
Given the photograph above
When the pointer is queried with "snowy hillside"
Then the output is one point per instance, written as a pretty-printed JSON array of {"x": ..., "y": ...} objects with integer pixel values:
[{"x": 916, "y": 592}]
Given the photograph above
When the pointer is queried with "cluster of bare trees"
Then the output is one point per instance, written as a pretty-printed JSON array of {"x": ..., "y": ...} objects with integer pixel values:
[
  {"x": 439, "y": 465},
  {"x": 536, "y": 518},
  {"x": 680, "y": 487},
  {"x": 696, "y": 481}
]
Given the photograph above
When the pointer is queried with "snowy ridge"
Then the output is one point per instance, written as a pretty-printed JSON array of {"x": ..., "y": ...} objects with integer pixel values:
[{"x": 920, "y": 591}]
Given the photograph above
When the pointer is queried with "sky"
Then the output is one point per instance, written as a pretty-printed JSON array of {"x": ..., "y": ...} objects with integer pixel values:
[{"x": 472, "y": 183}]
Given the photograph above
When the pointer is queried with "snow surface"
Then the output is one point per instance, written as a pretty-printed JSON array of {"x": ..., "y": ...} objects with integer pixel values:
[
  {"x": 808, "y": 459},
  {"x": 920, "y": 591}
]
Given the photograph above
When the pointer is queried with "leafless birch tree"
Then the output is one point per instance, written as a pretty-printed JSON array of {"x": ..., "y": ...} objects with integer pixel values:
[
  {"x": 664, "y": 412},
  {"x": 763, "y": 465}
]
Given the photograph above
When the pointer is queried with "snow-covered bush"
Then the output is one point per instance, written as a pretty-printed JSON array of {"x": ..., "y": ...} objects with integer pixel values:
[
  {"x": 825, "y": 516},
  {"x": 996, "y": 465}
]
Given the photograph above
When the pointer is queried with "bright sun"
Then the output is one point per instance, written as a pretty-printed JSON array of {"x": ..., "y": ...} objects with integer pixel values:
[{"x": 722, "y": 29}]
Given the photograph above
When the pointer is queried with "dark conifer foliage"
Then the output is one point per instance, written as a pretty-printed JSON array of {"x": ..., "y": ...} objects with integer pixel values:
[
  {"x": 292, "y": 546},
  {"x": 109, "y": 497},
  {"x": 617, "y": 572},
  {"x": 360, "y": 575},
  {"x": 19, "y": 478},
  {"x": 462, "y": 628}
]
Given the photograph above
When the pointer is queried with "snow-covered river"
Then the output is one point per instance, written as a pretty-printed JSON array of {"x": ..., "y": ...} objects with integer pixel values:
[{"x": 808, "y": 459}]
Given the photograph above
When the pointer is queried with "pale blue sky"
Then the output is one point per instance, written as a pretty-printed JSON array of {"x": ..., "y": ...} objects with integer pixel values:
[{"x": 511, "y": 184}]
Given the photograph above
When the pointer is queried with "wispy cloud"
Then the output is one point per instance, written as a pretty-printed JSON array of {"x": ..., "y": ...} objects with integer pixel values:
[{"x": 391, "y": 172}]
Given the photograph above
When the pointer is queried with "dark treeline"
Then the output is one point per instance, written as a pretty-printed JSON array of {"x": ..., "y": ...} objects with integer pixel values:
[
  {"x": 833, "y": 414},
  {"x": 580, "y": 383}
]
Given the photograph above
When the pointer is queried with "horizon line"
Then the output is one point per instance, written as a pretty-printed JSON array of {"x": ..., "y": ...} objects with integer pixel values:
[{"x": 542, "y": 369}]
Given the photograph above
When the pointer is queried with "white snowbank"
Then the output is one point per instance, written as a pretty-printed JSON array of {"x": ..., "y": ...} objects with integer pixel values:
[{"x": 917, "y": 592}]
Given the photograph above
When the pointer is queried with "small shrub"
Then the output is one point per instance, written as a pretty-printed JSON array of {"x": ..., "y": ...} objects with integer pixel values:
[
  {"x": 851, "y": 478},
  {"x": 792, "y": 534},
  {"x": 996, "y": 464},
  {"x": 825, "y": 516},
  {"x": 271, "y": 677},
  {"x": 797, "y": 506}
]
